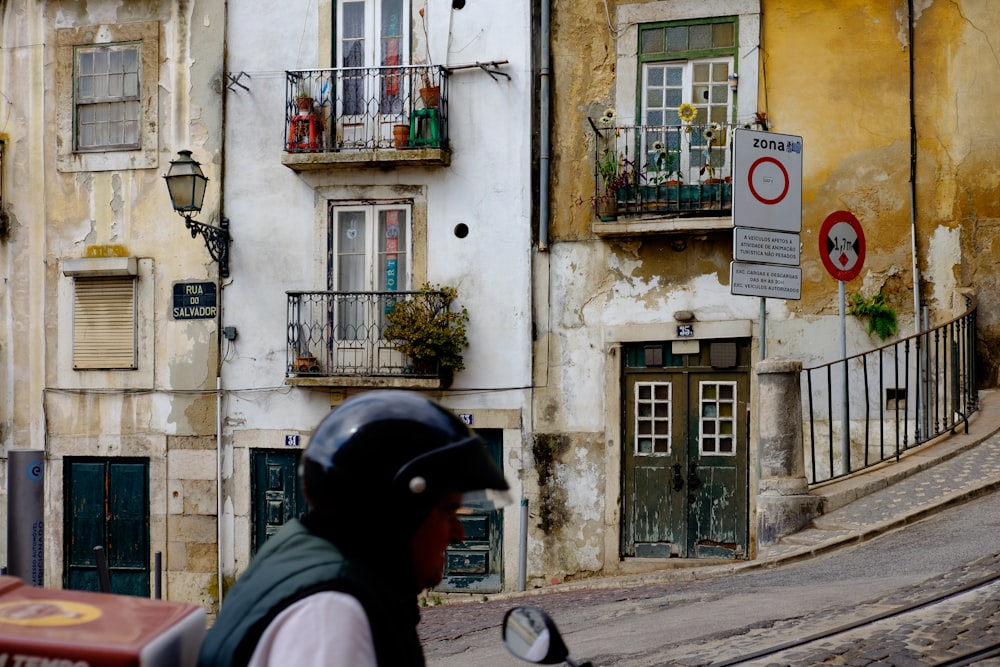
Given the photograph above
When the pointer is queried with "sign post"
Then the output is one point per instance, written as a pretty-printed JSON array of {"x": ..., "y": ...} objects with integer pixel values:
[
  {"x": 767, "y": 216},
  {"x": 842, "y": 249}
]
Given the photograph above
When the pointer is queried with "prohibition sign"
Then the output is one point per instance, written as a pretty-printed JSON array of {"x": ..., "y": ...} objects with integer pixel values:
[
  {"x": 765, "y": 179},
  {"x": 842, "y": 245}
]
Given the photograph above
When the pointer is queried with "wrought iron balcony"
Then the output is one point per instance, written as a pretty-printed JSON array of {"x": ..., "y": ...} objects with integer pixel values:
[
  {"x": 674, "y": 171},
  {"x": 336, "y": 339},
  {"x": 352, "y": 116}
]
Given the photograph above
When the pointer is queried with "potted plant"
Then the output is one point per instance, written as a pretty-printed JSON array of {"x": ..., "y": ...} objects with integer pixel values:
[
  {"x": 427, "y": 330},
  {"x": 401, "y": 135},
  {"x": 429, "y": 93},
  {"x": 304, "y": 100}
]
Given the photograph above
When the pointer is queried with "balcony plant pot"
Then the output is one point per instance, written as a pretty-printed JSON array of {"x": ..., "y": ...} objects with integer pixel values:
[
  {"x": 606, "y": 208},
  {"x": 430, "y": 95},
  {"x": 401, "y": 135},
  {"x": 305, "y": 103}
]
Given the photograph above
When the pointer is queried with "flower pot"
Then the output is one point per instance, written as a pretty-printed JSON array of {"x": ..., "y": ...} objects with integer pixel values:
[
  {"x": 305, "y": 103},
  {"x": 606, "y": 209},
  {"x": 430, "y": 95},
  {"x": 400, "y": 135}
]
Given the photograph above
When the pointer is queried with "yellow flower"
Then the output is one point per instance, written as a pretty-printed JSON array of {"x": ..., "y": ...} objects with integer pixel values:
[
  {"x": 686, "y": 112},
  {"x": 608, "y": 117}
]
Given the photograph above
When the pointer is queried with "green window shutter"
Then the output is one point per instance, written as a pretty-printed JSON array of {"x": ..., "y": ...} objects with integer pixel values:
[{"x": 104, "y": 323}]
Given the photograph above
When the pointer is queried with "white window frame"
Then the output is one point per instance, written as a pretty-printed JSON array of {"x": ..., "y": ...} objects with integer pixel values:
[
  {"x": 717, "y": 419},
  {"x": 692, "y": 156},
  {"x": 653, "y": 419},
  {"x": 354, "y": 127}
]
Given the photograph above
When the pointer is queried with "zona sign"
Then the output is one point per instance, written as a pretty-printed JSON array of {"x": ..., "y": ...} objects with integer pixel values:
[{"x": 842, "y": 245}]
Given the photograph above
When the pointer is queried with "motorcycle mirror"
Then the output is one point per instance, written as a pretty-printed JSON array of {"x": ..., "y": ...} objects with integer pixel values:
[{"x": 531, "y": 635}]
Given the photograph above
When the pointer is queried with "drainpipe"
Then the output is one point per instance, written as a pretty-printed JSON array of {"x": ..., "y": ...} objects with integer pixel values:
[
  {"x": 545, "y": 143},
  {"x": 219, "y": 449},
  {"x": 913, "y": 180}
]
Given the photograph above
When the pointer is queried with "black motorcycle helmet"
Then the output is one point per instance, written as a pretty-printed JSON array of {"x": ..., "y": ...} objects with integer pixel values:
[{"x": 385, "y": 457}]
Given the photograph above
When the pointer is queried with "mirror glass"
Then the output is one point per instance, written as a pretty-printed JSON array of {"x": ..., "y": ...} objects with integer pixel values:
[{"x": 529, "y": 634}]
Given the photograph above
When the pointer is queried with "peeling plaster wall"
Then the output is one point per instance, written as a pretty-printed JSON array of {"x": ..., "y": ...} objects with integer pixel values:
[
  {"x": 836, "y": 74},
  {"x": 65, "y": 205}
]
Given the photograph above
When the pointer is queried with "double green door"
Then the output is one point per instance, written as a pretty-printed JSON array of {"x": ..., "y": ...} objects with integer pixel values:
[
  {"x": 685, "y": 460},
  {"x": 107, "y": 505}
]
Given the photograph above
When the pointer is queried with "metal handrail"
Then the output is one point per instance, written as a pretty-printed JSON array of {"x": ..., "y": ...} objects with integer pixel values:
[{"x": 933, "y": 391}]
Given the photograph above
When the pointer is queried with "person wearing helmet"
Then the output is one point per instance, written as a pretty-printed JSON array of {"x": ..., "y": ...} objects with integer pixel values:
[{"x": 384, "y": 476}]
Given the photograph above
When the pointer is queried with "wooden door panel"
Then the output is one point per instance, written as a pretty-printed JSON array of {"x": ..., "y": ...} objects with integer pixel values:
[
  {"x": 108, "y": 506},
  {"x": 277, "y": 493}
]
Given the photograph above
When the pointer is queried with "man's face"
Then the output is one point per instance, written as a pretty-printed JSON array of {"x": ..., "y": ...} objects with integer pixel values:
[{"x": 438, "y": 530}]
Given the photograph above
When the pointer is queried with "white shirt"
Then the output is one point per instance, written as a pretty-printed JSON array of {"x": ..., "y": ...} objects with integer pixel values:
[{"x": 327, "y": 629}]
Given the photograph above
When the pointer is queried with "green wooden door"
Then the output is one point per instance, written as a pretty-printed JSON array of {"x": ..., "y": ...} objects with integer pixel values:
[
  {"x": 685, "y": 455},
  {"x": 107, "y": 504},
  {"x": 276, "y": 491},
  {"x": 474, "y": 565}
]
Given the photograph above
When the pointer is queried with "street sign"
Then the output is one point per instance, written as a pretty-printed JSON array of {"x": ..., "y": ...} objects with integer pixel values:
[
  {"x": 767, "y": 180},
  {"x": 766, "y": 280},
  {"x": 842, "y": 245},
  {"x": 760, "y": 245}
]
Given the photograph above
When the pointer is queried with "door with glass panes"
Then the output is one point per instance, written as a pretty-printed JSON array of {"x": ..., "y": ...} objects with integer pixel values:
[
  {"x": 372, "y": 36},
  {"x": 686, "y": 64},
  {"x": 369, "y": 251},
  {"x": 685, "y": 458}
]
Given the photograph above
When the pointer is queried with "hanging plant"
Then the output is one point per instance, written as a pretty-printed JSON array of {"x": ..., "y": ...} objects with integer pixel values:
[
  {"x": 427, "y": 330},
  {"x": 881, "y": 318}
]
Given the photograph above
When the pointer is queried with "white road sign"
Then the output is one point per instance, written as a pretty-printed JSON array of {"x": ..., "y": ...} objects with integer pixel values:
[
  {"x": 767, "y": 180},
  {"x": 761, "y": 245},
  {"x": 766, "y": 280}
]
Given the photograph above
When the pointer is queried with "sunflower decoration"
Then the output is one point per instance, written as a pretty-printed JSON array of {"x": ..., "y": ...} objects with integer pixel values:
[
  {"x": 687, "y": 112},
  {"x": 608, "y": 117},
  {"x": 659, "y": 151},
  {"x": 713, "y": 132}
]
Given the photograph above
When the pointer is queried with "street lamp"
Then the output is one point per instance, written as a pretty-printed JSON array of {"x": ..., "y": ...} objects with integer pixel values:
[{"x": 186, "y": 184}]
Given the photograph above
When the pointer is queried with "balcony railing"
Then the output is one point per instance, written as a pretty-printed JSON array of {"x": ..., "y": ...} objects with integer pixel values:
[
  {"x": 340, "y": 334},
  {"x": 366, "y": 114},
  {"x": 670, "y": 170}
]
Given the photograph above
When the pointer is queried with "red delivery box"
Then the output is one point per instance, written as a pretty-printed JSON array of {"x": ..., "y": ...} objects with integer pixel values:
[{"x": 58, "y": 628}]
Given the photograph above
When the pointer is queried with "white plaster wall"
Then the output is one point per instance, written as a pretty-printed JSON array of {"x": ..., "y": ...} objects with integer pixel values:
[{"x": 279, "y": 222}]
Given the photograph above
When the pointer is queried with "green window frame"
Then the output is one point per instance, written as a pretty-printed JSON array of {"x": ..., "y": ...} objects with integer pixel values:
[{"x": 687, "y": 62}]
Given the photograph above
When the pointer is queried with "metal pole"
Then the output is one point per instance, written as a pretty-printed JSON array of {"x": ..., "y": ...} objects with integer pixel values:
[
  {"x": 522, "y": 564},
  {"x": 763, "y": 328},
  {"x": 157, "y": 579},
  {"x": 845, "y": 424},
  {"x": 103, "y": 578}
]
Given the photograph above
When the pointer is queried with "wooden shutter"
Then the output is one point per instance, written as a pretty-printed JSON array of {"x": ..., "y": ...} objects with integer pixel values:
[{"x": 104, "y": 328}]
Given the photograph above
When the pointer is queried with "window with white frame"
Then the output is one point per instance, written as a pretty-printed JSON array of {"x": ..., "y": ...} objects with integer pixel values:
[
  {"x": 686, "y": 105},
  {"x": 369, "y": 251},
  {"x": 106, "y": 97}
]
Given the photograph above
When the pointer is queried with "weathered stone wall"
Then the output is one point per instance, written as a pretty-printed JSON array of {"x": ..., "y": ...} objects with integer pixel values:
[{"x": 838, "y": 75}]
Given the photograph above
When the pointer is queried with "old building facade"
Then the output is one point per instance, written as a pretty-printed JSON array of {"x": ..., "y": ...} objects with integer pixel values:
[{"x": 567, "y": 169}]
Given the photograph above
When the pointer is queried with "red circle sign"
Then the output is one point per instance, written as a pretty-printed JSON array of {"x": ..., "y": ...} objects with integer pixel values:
[
  {"x": 766, "y": 178},
  {"x": 842, "y": 245}
]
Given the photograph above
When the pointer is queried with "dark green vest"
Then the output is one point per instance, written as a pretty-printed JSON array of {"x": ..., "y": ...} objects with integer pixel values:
[{"x": 292, "y": 565}]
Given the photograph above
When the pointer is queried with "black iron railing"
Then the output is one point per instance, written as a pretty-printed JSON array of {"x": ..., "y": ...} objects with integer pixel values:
[
  {"x": 897, "y": 397},
  {"x": 341, "y": 334},
  {"x": 366, "y": 108},
  {"x": 664, "y": 169}
]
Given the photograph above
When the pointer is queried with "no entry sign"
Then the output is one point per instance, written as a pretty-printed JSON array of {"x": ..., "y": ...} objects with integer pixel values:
[{"x": 842, "y": 245}]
